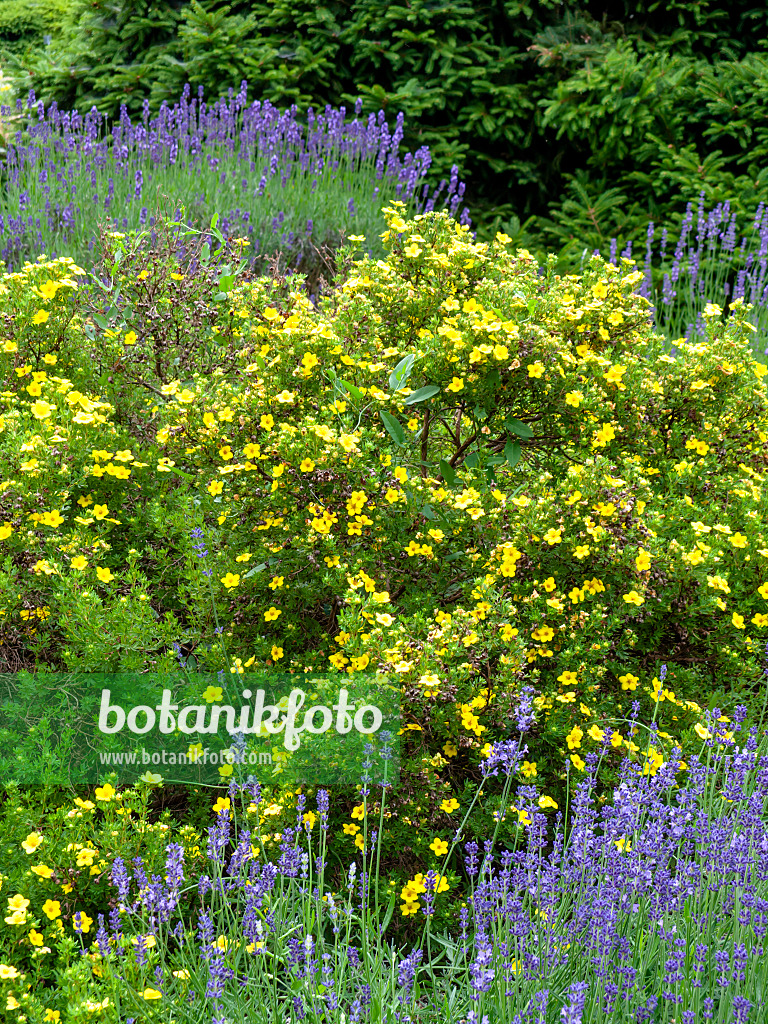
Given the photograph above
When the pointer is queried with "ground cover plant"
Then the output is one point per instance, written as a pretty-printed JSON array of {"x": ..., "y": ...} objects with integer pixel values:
[{"x": 454, "y": 470}]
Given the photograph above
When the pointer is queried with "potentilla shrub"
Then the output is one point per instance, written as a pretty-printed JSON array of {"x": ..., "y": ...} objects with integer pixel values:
[{"x": 456, "y": 472}]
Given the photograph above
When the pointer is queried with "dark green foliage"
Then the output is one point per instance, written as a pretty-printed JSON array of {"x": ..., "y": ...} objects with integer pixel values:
[
  {"x": 25, "y": 23},
  {"x": 103, "y": 55},
  {"x": 569, "y": 126}
]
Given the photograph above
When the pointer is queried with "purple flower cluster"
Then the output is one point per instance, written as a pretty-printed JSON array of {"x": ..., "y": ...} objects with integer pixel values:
[
  {"x": 689, "y": 871},
  {"x": 63, "y": 171},
  {"x": 715, "y": 247}
]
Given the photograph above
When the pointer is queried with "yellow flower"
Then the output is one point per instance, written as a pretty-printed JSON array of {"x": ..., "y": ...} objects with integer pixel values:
[
  {"x": 35, "y": 938},
  {"x": 215, "y": 487},
  {"x": 42, "y": 870},
  {"x": 573, "y": 739},
  {"x": 41, "y": 410},
  {"x": 439, "y": 846},
  {"x": 48, "y": 289},
  {"x": 54, "y": 518},
  {"x": 306, "y": 466},
  {"x": 104, "y": 574},
  {"x": 222, "y": 804},
  {"x": 152, "y": 993},
  {"x": 7, "y": 972},
  {"x": 40, "y": 316},
  {"x": 547, "y": 801},
  {"x": 79, "y": 562},
  {"x": 358, "y": 812},
  {"x": 31, "y": 843},
  {"x": 52, "y": 909},
  {"x": 271, "y": 614},
  {"x": 702, "y": 732},
  {"x": 359, "y": 841},
  {"x": 449, "y": 805},
  {"x": 53, "y": 1016},
  {"x": 212, "y": 693},
  {"x": 130, "y": 338},
  {"x": 231, "y": 580},
  {"x": 105, "y": 792}
]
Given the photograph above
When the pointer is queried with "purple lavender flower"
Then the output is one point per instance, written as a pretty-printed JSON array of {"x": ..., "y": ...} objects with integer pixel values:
[
  {"x": 571, "y": 1014},
  {"x": 406, "y": 973}
]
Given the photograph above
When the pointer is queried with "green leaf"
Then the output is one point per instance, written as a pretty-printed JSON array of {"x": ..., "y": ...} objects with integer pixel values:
[
  {"x": 214, "y": 221},
  {"x": 447, "y": 472},
  {"x": 101, "y": 321},
  {"x": 512, "y": 453},
  {"x": 471, "y": 460},
  {"x": 394, "y": 429},
  {"x": 255, "y": 569},
  {"x": 390, "y": 911},
  {"x": 519, "y": 428},
  {"x": 428, "y": 512},
  {"x": 179, "y": 472},
  {"x": 401, "y": 372},
  {"x": 355, "y": 392},
  {"x": 226, "y": 281},
  {"x": 422, "y": 394},
  {"x": 205, "y": 253}
]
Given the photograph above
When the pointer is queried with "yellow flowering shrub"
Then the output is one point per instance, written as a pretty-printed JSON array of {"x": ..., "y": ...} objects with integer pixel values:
[{"x": 456, "y": 472}]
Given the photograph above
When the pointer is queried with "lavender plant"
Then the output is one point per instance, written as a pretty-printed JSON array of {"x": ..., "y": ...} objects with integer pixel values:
[
  {"x": 715, "y": 271},
  {"x": 601, "y": 930},
  {"x": 275, "y": 186}
]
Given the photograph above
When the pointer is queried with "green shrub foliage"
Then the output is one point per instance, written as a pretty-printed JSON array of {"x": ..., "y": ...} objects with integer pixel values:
[
  {"x": 457, "y": 472},
  {"x": 25, "y": 23}
]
